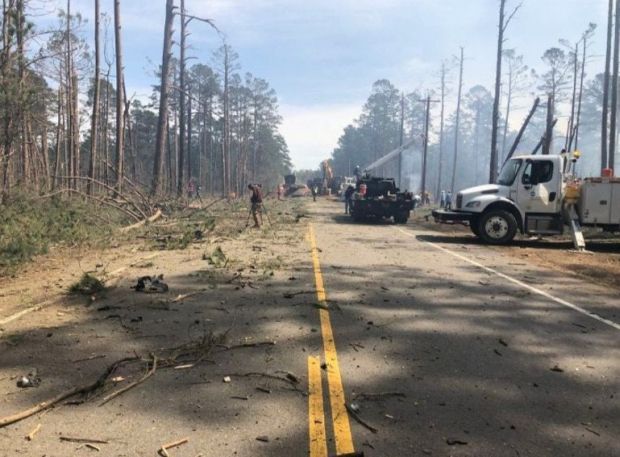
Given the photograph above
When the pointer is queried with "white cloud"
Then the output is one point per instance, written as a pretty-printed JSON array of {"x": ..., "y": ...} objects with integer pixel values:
[{"x": 312, "y": 132}]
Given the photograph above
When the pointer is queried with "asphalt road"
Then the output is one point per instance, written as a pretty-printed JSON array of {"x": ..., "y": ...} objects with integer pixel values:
[{"x": 436, "y": 347}]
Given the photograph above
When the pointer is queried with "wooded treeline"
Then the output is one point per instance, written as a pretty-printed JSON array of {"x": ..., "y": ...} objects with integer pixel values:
[
  {"x": 469, "y": 125},
  {"x": 68, "y": 123}
]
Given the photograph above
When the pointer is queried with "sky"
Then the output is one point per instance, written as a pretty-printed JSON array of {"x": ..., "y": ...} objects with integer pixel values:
[{"x": 322, "y": 56}]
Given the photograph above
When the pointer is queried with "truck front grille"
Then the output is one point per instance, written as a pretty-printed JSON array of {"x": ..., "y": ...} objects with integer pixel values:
[{"x": 459, "y": 201}]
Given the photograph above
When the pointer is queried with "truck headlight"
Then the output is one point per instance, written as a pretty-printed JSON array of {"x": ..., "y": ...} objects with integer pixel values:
[{"x": 472, "y": 205}]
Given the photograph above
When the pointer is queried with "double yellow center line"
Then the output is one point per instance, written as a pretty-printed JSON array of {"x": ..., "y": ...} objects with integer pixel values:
[{"x": 316, "y": 410}]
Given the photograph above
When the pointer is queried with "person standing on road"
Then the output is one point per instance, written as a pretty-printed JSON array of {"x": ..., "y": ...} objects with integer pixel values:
[
  {"x": 315, "y": 191},
  {"x": 348, "y": 199},
  {"x": 191, "y": 188},
  {"x": 256, "y": 200}
]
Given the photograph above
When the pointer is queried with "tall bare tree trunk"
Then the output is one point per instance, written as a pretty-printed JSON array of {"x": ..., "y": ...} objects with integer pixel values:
[
  {"x": 580, "y": 98},
  {"x": 573, "y": 105},
  {"x": 94, "y": 130},
  {"x": 457, "y": 123},
  {"x": 59, "y": 141},
  {"x": 45, "y": 153},
  {"x": 498, "y": 84},
  {"x": 226, "y": 142},
  {"x": 21, "y": 94},
  {"x": 75, "y": 133},
  {"x": 182, "y": 109},
  {"x": 120, "y": 128},
  {"x": 548, "y": 142},
  {"x": 106, "y": 132},
  {"x": 605, "y": 114},
  {"x": 162, "y": 122},
  {"x": 189, "y": 139},
  {"x": 69, "y": 131}
]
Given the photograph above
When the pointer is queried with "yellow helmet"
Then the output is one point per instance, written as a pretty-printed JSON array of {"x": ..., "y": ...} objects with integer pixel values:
[{"x": 576, "y": 154}]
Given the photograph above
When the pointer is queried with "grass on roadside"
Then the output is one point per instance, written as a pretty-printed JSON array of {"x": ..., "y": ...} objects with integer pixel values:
[{"x": 87, "y": 285}]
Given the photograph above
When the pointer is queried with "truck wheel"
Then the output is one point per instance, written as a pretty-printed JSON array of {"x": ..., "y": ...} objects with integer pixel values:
[
  {"x": 401, "y": 218},
  {"x": 497, "y": 227}
]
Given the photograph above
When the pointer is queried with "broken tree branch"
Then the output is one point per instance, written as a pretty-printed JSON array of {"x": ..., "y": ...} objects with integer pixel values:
[
  {"x": 158, "y": 214},
  {"x": 82, "y": 440},
  {"x": 359, "y": 420},
  {"x": 131, "y": 385},
  {"x": 378, "y": 396},
  {"x": 247, "y": 345},
  {"x": 65, "y": 395},
  {"x": 165, "y": 447}
]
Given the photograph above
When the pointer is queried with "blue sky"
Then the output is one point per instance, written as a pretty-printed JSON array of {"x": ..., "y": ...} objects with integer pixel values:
[{"x": 322, "y": 56}]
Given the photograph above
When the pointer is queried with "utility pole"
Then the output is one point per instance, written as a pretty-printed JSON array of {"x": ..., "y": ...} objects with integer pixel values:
[
  {"x": 402, "y": 138},
  {"x": 425, "y": 156},
  {"x": 457, "y": 123},
  {"x": 441, "y": 128},
  {"x": 427, "y": 124},
  {"x": 605, "y": 114},
  {"x": 614, "y": 91}
]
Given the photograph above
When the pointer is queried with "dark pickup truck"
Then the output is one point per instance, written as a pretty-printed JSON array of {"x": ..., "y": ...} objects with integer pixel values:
[{"x": 379, "y": 198}]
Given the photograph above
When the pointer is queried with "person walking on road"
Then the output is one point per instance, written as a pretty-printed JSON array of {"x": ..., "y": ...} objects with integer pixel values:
[
  {"x": 256, "y": 200},
  {"x": 348, "y": 199},
  {"x": 314, "y": 191}
]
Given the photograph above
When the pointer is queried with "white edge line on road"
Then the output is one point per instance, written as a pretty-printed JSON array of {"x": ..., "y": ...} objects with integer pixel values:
[
  {"x": 519, "y": 283},
  {"x": 16, "y": 316}
]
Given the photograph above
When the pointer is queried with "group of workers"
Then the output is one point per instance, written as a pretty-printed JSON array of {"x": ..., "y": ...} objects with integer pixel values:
[
  {"x": 256, "y": 200},
  {"x": 445, "y": 199}
]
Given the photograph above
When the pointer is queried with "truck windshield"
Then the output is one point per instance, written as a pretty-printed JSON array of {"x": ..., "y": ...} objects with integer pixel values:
[{"x": 509, "y": 172}]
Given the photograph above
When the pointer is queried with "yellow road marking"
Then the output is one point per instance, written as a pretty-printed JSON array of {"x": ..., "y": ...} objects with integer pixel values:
[
  {"x": 316, "y": 413},
  {"x": 340, "y": 417}
]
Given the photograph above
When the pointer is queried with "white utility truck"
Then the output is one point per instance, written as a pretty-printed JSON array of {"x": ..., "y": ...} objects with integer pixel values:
[{"x": 537, "y": 195}]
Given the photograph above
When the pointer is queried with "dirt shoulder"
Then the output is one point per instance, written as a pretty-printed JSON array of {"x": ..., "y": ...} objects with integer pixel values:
[
  {"x": 601, "y": 263},
  {"x": 229, "y": 338}
]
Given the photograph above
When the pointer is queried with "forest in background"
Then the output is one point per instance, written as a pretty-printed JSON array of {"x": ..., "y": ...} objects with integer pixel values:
[
  {"x": 466, "y": 124},
  {"x": 67, "y": 124}
]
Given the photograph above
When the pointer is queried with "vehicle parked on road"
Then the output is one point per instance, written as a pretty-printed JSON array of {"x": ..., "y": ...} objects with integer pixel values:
[
  {"x": 379, "y": 198},
  {"x": 536, "y": 195}
]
